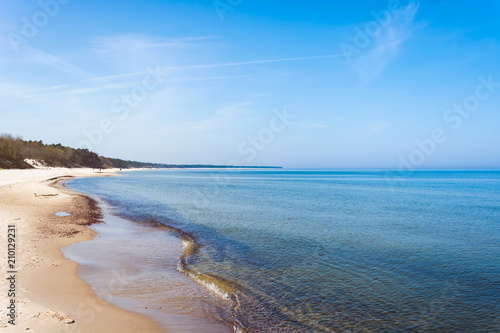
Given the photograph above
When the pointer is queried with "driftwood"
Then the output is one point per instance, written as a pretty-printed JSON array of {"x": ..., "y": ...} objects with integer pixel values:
[
  {"x": 59, "y": 177},
  {"x": 46, "y": 195}
]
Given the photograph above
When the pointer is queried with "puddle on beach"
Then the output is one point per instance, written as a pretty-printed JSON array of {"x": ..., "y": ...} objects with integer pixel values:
[
  {"x": 134, "y": 266},
  {"x": 61, "y": 214}
]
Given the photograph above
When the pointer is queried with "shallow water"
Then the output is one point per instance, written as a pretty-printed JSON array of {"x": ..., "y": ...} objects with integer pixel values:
[
  {"x": 133, "y": 265},
  {"x": 62, "y": 214},
  {"x": 318, "y": 250}
]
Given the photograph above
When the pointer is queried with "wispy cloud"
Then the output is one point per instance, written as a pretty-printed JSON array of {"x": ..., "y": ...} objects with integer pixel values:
[
  {"x": 211, "y": 78},
  {"x": 87, "y": 84},
  {"x": 37, "y": 56},
  {"x": 253, "y": 62},
  {"x": 9, "y": 89},
  {"x": 133, "y": 42},
  {"x": 22, "y": 91},
  {"x": 387, "y": 43},
  {"x": 170, "y": 69},
  {"x": 134, "y": 50},
  {"x": 130, "y": 52}
]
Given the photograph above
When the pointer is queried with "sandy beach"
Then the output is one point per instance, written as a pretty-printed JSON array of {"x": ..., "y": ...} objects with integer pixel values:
[{"x": 49, "y": 294}]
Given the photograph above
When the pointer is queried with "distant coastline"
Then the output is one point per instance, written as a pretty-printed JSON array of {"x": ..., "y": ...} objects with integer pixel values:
[{"x": 16, "y": 153}]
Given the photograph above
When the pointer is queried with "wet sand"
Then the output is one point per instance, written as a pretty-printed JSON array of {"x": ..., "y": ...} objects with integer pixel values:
[
  {"x": 142, "y": 260},
  {"x": 121, "y": 276},
  {"x": 49, "y": 294}
]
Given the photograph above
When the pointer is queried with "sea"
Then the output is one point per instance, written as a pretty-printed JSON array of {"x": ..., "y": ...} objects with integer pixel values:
[{"x": 285, "y": 250}]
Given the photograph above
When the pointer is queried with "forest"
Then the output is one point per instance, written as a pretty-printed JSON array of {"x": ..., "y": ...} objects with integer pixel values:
[{"x": 14, "y": 151}]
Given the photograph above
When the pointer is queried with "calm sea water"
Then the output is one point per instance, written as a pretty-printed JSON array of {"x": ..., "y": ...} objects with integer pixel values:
[{"x": 330, "y": 251}]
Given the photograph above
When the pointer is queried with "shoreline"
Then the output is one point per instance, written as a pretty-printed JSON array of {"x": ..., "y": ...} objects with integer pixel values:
[
  {"x": 49, "y": 294},
  {"x": 173, "y": 298}
]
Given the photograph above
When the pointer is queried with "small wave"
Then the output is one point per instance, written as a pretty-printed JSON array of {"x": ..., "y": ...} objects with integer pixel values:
[
  {"x": 216, "y": 285},
  {"x": 208, "y": 282},
  {"x": 220, "y": 287}
]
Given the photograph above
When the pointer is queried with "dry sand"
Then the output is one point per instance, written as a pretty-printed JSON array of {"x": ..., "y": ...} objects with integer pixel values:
[{"x": 50, "y": 297}]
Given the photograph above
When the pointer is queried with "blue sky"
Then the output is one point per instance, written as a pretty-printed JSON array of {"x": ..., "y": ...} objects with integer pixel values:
[{"x": 339, "y": 84}]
